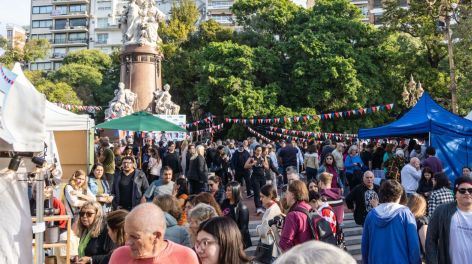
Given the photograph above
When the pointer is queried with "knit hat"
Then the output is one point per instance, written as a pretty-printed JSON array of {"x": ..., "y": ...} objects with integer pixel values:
[{"x": 461, "y": 180}]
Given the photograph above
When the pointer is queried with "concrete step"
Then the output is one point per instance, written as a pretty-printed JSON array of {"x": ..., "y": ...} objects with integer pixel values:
[
  {"x": 358, "y": 258},
  {"x": 348, "y": 216},
  {"x": 354, "y": 249},
  {"x": 349, "y": 223},
  {"x": 352, "y": 231},
  {"x": 353, "y": 240}
]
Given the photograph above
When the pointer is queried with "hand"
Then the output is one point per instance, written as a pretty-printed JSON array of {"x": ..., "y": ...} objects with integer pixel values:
[
  {"x": 85, "y": 260},
  {"x": 374, "y": 202}
]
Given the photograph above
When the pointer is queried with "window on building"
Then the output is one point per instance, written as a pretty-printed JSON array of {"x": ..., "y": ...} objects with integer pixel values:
[
  {"x": 106, "y": 50},
  {"x": 378, "y": 4},
  {"x": 42, "y": 9},
  {"x": 57, "y": 65},
  {"x": 104, "y": 6},
  {"x": 59, "y": 38},
  {"x": 102, "y": 22},
  {"x": 102, "y": 38},
  {"x": 81, "y": 37},
  {"x": 75, "y": 49},
  {"x": 59, "y": 53},
  {"x": 78, "y": 8},
  {"x": 41, "y": 66},
  {"x": 60, "y": 23},
  {"x": 364, "y": 10},
  {"x": 60, "y": 10},
  {"x": 42, "y": 23},
  {"x": 10, "y": 34},
  {"x": 42, "y": 36},
  {"x": 78, "y": 22}
]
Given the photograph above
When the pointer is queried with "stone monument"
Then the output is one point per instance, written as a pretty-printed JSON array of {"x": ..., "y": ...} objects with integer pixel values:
[
  {"x": 140, "y": 57},
  {"x": 122, "y": 104}
]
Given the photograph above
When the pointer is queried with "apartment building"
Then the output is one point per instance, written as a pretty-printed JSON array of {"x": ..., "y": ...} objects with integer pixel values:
[
  {"x": 218, "y": 10},
  {"x": 72, "y": 25},
  {"x": 16, "y": 36}
]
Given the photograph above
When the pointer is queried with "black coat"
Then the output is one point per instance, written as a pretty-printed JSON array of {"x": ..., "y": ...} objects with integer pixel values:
[
  {"x": 172, "y": 160},
  {"x": 357, "y": 197},
  {"x": 240, "y": 214},
  {"x": 99, "y": 247},
  {"x": 140, "y": 185},
  {"x": 198, "y": 170}
]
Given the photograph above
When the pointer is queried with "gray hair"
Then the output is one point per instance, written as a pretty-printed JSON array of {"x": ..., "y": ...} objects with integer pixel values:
[
  {"x": 351, "y": 148},
  {"x": 202, "y": 212},
  {"x": 308, "y": 252}
]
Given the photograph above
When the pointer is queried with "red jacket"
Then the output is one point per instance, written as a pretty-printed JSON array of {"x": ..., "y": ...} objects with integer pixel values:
[
  {"x": 296, "y": 229},
  {"x": 62, "y": 211}
]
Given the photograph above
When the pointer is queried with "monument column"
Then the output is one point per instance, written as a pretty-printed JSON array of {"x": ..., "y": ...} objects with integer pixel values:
[{"x": 141, "y": 73}]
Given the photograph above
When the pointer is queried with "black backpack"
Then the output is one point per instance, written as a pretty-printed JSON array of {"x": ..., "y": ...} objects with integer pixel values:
[{"x": 319, "y": 227}]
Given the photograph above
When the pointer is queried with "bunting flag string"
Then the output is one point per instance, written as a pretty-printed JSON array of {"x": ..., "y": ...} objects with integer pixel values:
[
  {"x": 289, "y": 137},
  {"x": 316, "y": 135},
  {"x": 88, "y": 108},
  {"x": 5, "y": 77},
  {"x": 257, "y": 134},
  {"x": 305, "y": 118},
  {"x": 206, "y": 120},
  {"x": 211, "y": 129}
]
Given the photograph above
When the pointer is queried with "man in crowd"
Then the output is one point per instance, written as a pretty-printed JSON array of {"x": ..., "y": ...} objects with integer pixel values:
[
  {"x": 390, "y": 234},
  {"x": 366, "y": 154},
  {"x": 411, "y": 175},
  {"x": 145, "y": 229},
  {"x": 171, "y": 159},
  {"x": 363, "y": 198},
  {"x": 449, "y": 234},
  {"x": 432, "y": 161},
  {"x": 129, "y": 186},
  {"x": 288, "y": 157},
  {"x": 238, "y": 161},
  {"x": 107, "y": 158},
  {"x": 327, "y": 148},
  {"x": 164, "y": 185},
  {"x": 339, "y": 158}
]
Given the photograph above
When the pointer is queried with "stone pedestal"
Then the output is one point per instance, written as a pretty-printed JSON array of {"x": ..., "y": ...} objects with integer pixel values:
[{"x": 141, "y": 72}]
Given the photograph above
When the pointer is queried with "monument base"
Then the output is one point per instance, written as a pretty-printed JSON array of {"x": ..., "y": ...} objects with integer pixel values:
[{"x": 141, "y": 73}]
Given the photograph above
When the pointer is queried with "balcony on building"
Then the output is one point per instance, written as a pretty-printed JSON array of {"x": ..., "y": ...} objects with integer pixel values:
[
  {"x": 58, "y": 56},
  {"x": 69, "y": 42},
  {"x": 75, "y": 14},
  {"x": 107, "y": 27},
  {"x": 223, "y": 19},
  {"x": 70, "y": 1},
  {"x": 219, "y": 5}
]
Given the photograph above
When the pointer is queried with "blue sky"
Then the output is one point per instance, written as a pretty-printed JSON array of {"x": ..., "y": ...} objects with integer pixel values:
[{"x": 18, "y": 12}]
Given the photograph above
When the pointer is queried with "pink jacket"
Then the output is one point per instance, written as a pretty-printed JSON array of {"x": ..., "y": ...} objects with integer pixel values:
[{"x": 296, "y": 229}]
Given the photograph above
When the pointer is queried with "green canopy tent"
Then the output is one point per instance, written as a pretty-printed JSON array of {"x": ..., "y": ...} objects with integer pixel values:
[{"x": 141, "y": 121}]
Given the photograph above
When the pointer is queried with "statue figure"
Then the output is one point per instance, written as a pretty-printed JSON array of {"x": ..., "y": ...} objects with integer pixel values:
[
  {"x": 163, "y": 102},
  {"x": 122, "y": 104},
  {"x": 196, "y": 110},
  {"x": 140, "y": 22}
]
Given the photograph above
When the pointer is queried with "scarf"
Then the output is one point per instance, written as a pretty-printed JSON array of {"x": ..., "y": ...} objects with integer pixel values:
[{"x": 83, "y": 244}]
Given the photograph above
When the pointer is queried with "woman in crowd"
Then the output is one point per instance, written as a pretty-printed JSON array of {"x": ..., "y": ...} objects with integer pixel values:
[
  {"x": 441, "y": 192},
  {"x": 234, "y": 208},
  {"x": 425, "y": 186},
  {"x": 182, "y": 195},
  {"x": 99, "y": 187},
  {"x": 387, "y": 155},
  {"x": 221, "y": 164},
  {"x": 94, "y": 244},
  {"x": 377, "y": 157},
  {"x": 128, "y": 152},
  {"x": 265, "y": 232},
  {"x": 219, "y": 241},
  {"x": 329, "y": 165},
  {"x": 154, "y": 165},
  {"x": 417, "y": 205},
  {"x": 207, "y": 198},
  {"x": 172, "y": 212},
  {"x": 353, "y": 165},
  {"x": 311, "y": 162},
  {"x": 258, "y": 164},
  {"x": 117, "y": 152},
  {"x": 197, "y": 215},
  {"x": 296, "y": 229},
  {"x": 198, "y": 171},
  {"x": 312, "y": 185},
  {"x": 183, "y": 155},
  {"x": 216, "y": 189},
  {"x": 76, "y": 193},
  {"x": 116, "y": 230}
]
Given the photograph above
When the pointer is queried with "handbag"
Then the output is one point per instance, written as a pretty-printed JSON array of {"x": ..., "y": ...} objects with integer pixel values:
[{"x": 264, "y": 252}]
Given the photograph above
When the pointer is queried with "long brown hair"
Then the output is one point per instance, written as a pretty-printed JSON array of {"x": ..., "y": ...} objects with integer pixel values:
[
  {"x": 116, "y": 222},
  {"x": 229, "y": 238},
  {"x": 207, "y": 198},
  {"x": 299, "y": 191},
  {"x": 72, "y": 182},
  {"x": 97, "y": 225},
  {"x": 417, "y": 205}
]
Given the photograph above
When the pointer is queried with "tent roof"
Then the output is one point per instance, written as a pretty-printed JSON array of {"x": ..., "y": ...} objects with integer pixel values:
[
  {"x": 426, "y": 116},
  {"x": 469, "y": 116},
  {"x": 59, "y": 119}
]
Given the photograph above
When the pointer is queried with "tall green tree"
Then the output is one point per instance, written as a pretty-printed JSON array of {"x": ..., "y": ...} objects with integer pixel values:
[
  {"x": 34, "y": 49},
  {"x": 57, "y": 92}
]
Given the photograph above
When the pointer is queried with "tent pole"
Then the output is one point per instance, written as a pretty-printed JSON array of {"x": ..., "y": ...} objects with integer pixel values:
[
  {"x": 40, "y": 216},
  {"x": 429, "y": 139}
]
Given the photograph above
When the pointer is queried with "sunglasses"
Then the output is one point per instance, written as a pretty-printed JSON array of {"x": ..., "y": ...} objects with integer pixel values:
[
  {"x": 88, "y": 214},
  {"x": 464, "y": 190}
]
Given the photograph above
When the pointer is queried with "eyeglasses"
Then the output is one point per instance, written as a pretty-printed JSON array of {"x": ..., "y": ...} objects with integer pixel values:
[
  {"x": 464, "y": 190},
  {"x": 203, "y": 244},
  {"x": 88, "y": 214}
]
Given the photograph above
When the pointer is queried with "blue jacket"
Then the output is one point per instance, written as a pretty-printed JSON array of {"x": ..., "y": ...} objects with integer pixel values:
[
  {"x": 176, "y": 233},
  {"x": 349, "y": 163},
  {"x": 92, "y": 184},
  {"x": 390, "y": 236}
]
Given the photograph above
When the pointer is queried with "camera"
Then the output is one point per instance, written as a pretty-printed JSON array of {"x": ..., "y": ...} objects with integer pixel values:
[{"x": 278, "y": 221}]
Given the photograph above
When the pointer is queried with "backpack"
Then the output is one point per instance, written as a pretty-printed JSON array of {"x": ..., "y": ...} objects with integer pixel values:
[
  {"x": 319, "y": 227},
  {"x": 339, "y": 232}
]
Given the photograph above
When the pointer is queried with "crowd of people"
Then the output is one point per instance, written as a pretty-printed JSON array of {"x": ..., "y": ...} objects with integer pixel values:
[{"x": 163, "y": 203}]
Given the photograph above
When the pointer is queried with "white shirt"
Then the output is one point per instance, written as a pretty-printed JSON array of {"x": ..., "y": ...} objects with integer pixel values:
[
  {"x": 460, "y": 238},
  {"x": 338, "y": 157},
  {"x": 410, "y": 178}
]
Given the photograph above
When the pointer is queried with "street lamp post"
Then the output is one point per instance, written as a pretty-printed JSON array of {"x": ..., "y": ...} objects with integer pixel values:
[
  {"x": 412, "y": 92},
  {"x": 447, "y": 11}
]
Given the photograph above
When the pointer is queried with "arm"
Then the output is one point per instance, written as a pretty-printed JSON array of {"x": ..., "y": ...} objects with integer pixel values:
[
  {"x": 365, "y": 242},
  {"x": 288, "y": 232},
  {"x": 432, "y": 239},
  {"x": 202, "y": 169},
  {"x": 412, "y": 239},
  {"x": 248, "y": 164},
  {"x": 422, "y": 234},
  {"x": 350, "y": 199},
  {"x": 72, "y": 198},
  {"x": 432, "y": 204},
  {"x": 348, "y": 165},
  {"x": 265, "y": 163},
  {"x": 106, "y": 244}
]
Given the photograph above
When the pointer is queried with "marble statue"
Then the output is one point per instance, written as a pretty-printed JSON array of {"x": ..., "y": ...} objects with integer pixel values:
[
  {"x": 122, "y": 104},
  {"x": 163, "y": 102},
  {"x": 140, "y": 22}
]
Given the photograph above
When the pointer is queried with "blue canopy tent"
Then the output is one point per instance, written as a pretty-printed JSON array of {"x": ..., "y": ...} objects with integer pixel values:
[{"x": 449, "y": 134}]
